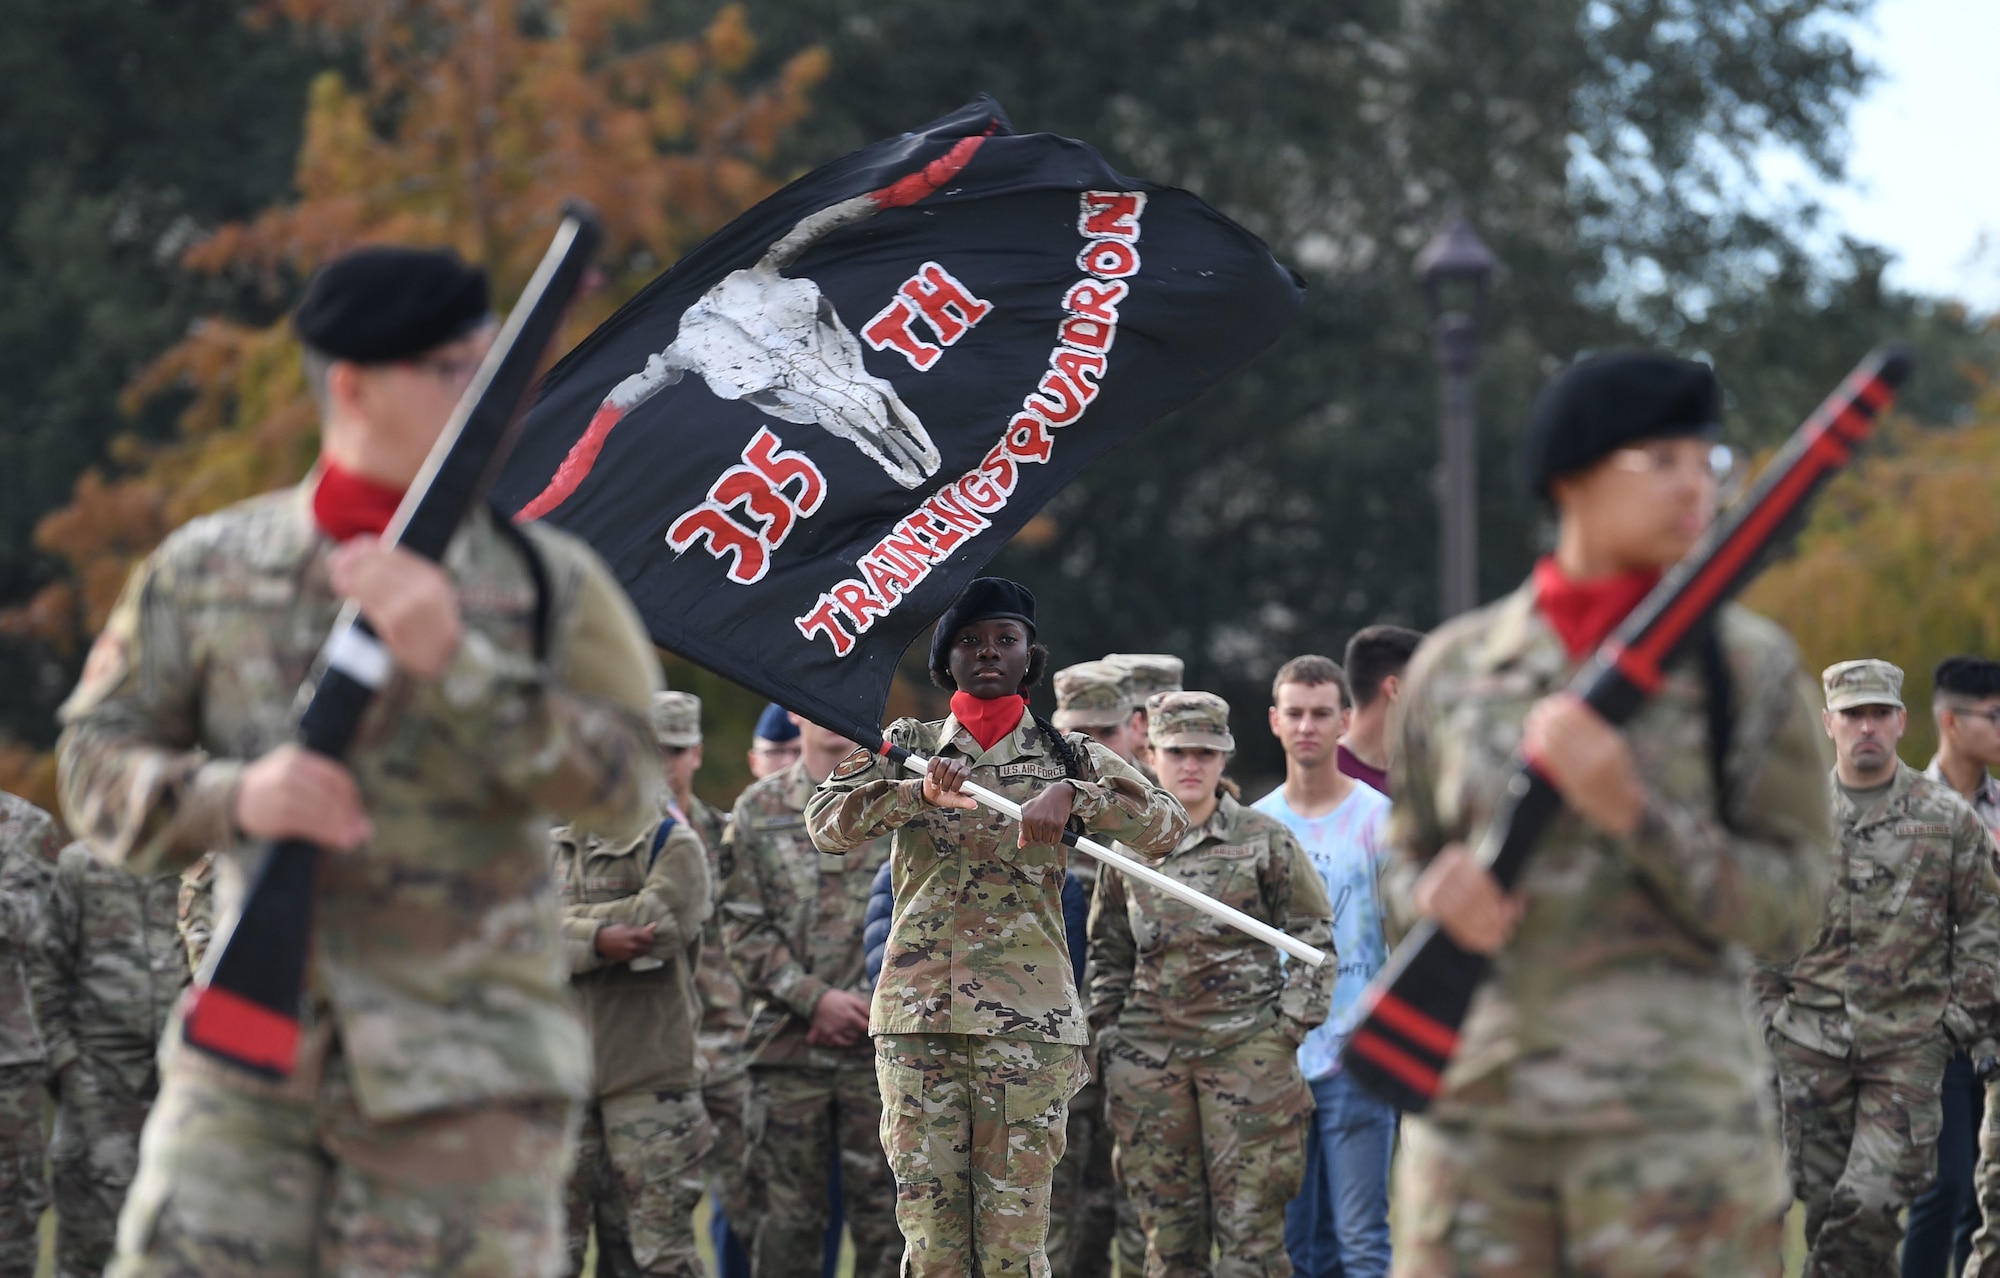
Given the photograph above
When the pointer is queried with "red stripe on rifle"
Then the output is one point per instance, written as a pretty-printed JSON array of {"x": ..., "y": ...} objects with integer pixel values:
[
  {"x": 1644, "y": 675},
  {"x": 244, "y": 1031},
  {"x": 1425, "y": 1031},
  {"x": 1418, "y": 1076}
]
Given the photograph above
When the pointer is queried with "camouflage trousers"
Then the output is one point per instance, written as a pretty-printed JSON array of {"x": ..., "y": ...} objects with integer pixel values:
[
  {"x": 973, "y": 1128},
  {"x": 797, "y": 1118},
  {"x": 638, "y": 1181},
  {"x": 1211, "y": 1150},
  {"x": 95, "y": 1155},
  {"x": 1083, "y": 1203},
  {"x": 1985, "y": 1261},
  {"x": 24, "y": 1194},
  {"x": 241, "y": 1178},
  {"x": 1862, "y": 1141},
  {"x": 1684, "y": 1202},
  {"x": 725, "y": 1094}
]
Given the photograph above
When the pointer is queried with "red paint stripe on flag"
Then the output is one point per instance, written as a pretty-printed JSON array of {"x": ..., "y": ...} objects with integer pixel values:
[
  {"x": 1412, "y": 1071},
  {"x": 576, "y": 467},
  {"x": 233, "y": 1026},
  {"x": 912, "y": 187}
]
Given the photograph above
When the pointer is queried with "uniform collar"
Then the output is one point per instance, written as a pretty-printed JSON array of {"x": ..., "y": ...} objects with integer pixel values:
[
  {"x": 1890, "y": 805},
  {"x": 1518, "y": 636},
  {"x": 1986, "y": 792},
  {"x": 1221, "y": 822},
  {"x": 1024, "y": 740},
  {"x": 798, "y": 787}
]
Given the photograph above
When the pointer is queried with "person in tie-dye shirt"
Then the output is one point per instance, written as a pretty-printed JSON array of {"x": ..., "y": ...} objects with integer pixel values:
[{"x": 1339, "y": 1223}]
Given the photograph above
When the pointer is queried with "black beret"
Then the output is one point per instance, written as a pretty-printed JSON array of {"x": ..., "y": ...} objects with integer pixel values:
[
  {"x": 984, "y": 599},
  {"x": 386, "y": 303},
  {"x": 1967, "y": 676},
  {"x": 1601, "y": 404}
]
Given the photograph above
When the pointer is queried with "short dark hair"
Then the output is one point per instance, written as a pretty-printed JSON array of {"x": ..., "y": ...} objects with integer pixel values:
[
  {"x": 1375, "y": 653},
  {"x": 1038, "y": 665},
  {"x": 1312, "y": 670},
  {"x": 1966, "y": 677}
]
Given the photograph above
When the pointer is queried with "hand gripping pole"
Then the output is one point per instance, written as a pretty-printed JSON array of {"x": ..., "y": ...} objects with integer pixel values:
[{"x": 1137, "y": 869}]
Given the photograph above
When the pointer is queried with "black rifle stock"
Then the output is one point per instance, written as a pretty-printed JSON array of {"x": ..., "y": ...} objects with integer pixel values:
[
  {"x": 248, "y": 1010},
  {"x": 1409, "y": 1032}
]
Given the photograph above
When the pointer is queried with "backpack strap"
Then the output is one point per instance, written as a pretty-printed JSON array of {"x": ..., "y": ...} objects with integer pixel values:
[
  {"x": 538, "y": 572},
  {"x": 667, "y": 825}
]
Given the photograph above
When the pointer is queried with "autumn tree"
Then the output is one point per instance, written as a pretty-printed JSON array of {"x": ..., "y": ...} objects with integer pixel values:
[
  {"x": 1898, "y": 560},
  {"x": 467, "y": 123}
]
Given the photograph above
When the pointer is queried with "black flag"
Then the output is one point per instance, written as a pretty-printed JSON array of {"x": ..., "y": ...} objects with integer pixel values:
[{"x": 796, "y": 446}]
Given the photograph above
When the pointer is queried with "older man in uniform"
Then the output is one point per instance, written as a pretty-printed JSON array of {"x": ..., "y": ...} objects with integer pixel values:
[
  {"x": 792, "y": 916},
  {"x": 428, "y": 1124},
  {"x": 28, "y": 848},
  {"x": 107, "y": 976},
  {"x": 1904, "y": 967},
  {"x": 633, "y": 910},
  {"x": 1605, "y": 1110},
  {"x": 1148, "y": 674}
]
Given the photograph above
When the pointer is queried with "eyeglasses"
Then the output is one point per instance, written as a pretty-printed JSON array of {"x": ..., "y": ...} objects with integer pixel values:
[
  {"x": 1717, "y": 461},
  {"x": 1991, "y": 715}
]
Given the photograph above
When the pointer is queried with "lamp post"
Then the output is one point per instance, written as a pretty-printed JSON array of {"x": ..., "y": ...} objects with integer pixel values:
[{"x": 1455, "y": 268}]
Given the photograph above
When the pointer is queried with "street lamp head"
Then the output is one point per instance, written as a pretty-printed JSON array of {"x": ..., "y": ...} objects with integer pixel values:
[{"x": 1455, "y": 267}]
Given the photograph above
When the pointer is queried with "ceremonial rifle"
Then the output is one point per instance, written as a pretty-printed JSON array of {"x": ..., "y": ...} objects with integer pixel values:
[
  {"x": 248, "y": 1010},
  {"x": 1409, "y": 1030}
]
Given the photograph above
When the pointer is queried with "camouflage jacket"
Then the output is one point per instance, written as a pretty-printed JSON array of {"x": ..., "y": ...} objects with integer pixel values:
[
  {"x": 110, "y": 967},
  {"x": 1618, "y": 1002},
  {"x": 436, "y": 947},
  {"x": 1910, "y": 936},
  {"x": 793, "y": 918},
  {"x": 1175, "y": 981},
  {"x": 642, "y": 1015},
  {"x": 28, "y": 848},
  {"x": 976, "y": 945},
  {"x": 725, "y": 1015},
  {"x": 194, "y": 910}
]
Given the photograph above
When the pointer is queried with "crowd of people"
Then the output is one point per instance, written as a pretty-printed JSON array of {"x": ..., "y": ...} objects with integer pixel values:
[{"x": 1740, "y": 971}]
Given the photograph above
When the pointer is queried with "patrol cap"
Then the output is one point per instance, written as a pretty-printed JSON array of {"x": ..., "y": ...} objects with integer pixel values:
[
  {"x": 1151, "y": 672},
  {"x": 387, "y": 302},
  {"x": 776, "y": 725},
  {"x": 1868, "y": 682},
  {"x": 677, "y": 719},
  {"x": 1189, "y": 721},
  {"x": 1599, "y": 405},
  {"x": 983, "y": 599},
  {"x": 1092, "y": 694}
]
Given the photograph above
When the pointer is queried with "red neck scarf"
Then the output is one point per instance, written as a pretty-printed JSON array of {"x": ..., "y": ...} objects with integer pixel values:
[
  {"x": 346, "y": 504},
  {"x": 988, "y": 721},
  {"x": 1584, "y": 612}
]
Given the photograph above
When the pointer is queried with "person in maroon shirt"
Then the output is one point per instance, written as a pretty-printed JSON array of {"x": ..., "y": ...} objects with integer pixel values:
[{"x": 1375, "y": 659}]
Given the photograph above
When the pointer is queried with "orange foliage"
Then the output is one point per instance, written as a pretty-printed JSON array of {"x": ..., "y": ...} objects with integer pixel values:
[
  {"x": 1898, "y": 561},
  {"x": 474, "y": 120}
]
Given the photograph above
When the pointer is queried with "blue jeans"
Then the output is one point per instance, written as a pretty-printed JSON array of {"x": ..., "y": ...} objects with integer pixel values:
[
  {"x": 1943, "y": 1218},
  {"x": 1338, "y": 1226}
]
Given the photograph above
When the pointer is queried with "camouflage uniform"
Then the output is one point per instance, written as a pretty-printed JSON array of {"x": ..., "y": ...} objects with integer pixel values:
[
  {"x": 428, "y": 1123},
  {"x": 977, "y": 1023},
  {"x": 793, "y": 921},
  {"x": 107, "y": 976},
  {"x": 194, "y": 910},
  {"x": 1202, "y": 1024},
  {"x": 1607, "y": 1111},
  {"x": 725, "y": 1021},
  {"x": 638, "y": 1173},
  {"x": 1085, "y": 1202},
  {"x": 28, "y": 847},
  {"x": 1861, "y": 1023}
]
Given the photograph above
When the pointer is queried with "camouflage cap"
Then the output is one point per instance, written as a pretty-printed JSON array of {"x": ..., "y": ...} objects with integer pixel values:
[
  {"x": 1189, "y": 720},
  {"x": 1151, "y": 673},
  {"x": 1092, "y": 694},
  {"x": 677, "y": 719},
  {"x": 1868, "y": 682}
]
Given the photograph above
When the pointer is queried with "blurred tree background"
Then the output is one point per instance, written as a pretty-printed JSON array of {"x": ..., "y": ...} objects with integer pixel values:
[{"x": 178, "y": 167}]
